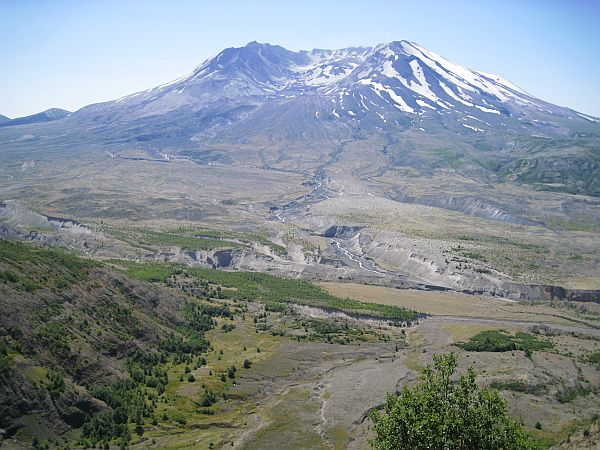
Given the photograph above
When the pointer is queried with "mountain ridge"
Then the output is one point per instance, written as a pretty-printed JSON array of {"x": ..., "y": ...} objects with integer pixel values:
[{"x": 49, "y": 115}]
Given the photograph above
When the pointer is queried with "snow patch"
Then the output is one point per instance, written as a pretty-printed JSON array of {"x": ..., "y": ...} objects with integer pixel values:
[
  {"x": 487, "y": 110},
  {"x": 472, "y": 128},
  {"x": 398, "y": 100}
]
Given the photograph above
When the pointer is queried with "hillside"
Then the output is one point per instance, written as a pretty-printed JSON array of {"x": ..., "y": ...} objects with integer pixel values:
[
  {"x": 68, "y": 328},
  {"x": 87, "y": 352},
  {"x": 156, "y": 354}
]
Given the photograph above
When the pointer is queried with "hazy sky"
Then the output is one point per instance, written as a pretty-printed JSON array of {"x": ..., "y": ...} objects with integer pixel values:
[{"x": 69, "y": 54}]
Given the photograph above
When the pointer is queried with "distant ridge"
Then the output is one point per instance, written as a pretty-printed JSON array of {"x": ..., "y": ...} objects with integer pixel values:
[{"x": 45, "y": 116}]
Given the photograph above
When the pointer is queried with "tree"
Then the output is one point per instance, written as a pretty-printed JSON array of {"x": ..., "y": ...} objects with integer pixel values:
[
  {"x": 439, "y": 413},
  {"x": 231, "y": 372}
]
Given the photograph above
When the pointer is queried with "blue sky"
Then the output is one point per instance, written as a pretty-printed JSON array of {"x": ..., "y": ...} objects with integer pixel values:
[{"x": 72, "y": 53}]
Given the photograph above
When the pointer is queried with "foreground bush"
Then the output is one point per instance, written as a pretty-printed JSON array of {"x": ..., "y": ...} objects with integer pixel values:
[{"x": 440, "y": 413}]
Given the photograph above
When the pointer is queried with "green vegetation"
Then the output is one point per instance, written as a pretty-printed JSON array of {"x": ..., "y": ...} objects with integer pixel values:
[
  {"x": 594, "y": 358},
  {"x": 6, "y": 361},
  {"x": 501, "y": 341},
  {"x": 518, "y": 386},
  {"x": 244, "y": 237},
  {"x": 273, "y": 291},
  {"x": 454, "y": 159},
  {"x": 192, "y": 243},
  {"x": 54, "y": 337},
  {"x": 39, "y": 267},
  {"x": 442, "y": 414},
  {"x": 570, "y": 393},
  {"x": 56, "y": 384},
  {"x": 133, "y": 400},
  {"x": 193, "y": 239}
]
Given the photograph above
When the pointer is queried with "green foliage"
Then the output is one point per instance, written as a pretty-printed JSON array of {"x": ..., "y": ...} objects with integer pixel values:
[
  {"x": 6, "y": 361},
  {"x": 21, "y": 283},
  {"x": 594, "y": 358},
  {"x": 570, "y": 393},
  {"x": 208, "y": 399},
  {"x": 501, "y": 341},
  {"x": 439, "y": 413},
  {"x": 271, "y": 290},
  {"x": 191, "y": 243},
  {"x": 152, "y": 272},
  {"x": 52, "y": 268},
  {"x": 222, "y": 235},
  {"x": 107, "y": 425},
  {"x": 55, "y": 338},
  {"x": 473, "y": 255},
  {"x": 146, "y": 369},
  {"x": 193, "y": 239},
  {"x": 8, "y": 276},
  {"x": 127, "y": 398},
  {"x": 127, "y": 401},
  {"x": 56, "y": 384},
  {"x": 518, "y": 386},
  {"x": 231, "y": 372},
  {"x": 247, "y": 364}
]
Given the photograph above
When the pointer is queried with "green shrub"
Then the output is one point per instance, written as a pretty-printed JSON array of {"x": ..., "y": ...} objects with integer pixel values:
[
  {"x": 501, "y": 341},
  {"x": 439, "y": 413}
]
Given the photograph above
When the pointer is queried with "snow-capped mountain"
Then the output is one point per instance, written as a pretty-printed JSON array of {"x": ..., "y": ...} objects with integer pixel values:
[
  {"x": 370, "y": 84},
  {"x": 401, "y": 97}
]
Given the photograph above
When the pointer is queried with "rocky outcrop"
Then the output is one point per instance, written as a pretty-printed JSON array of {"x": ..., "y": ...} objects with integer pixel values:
[
  {"x": 575, "y": 295},
  {"x": 341, "y": 231}
]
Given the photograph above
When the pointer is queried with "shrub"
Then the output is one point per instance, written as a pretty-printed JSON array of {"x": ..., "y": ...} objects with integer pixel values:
[{"x": 441, "y": 414}]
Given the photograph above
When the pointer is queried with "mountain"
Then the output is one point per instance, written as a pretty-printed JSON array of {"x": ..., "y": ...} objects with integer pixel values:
[
  {"x": 399, "y": 92},
  {"x": 4, "y": 119},
  {"x": 49, "y": 115},
  {"x": 388, "y": 86}
]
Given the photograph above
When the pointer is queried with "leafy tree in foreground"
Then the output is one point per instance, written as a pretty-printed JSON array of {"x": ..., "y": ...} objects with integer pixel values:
[{"x": 440, "y": 413}]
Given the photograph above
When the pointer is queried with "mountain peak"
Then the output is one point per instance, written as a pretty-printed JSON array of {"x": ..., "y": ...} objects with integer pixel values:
[{"x": 389, "y": 85}]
